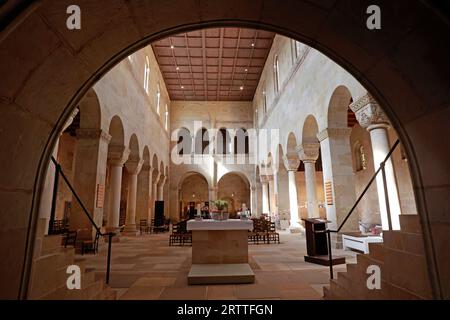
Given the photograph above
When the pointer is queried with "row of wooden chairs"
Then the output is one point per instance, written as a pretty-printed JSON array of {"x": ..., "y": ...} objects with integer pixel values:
[
  {"x": 180, "y": 235},
  {"x": 263, "y": 231},
  {"x": 69, "y": 239}
]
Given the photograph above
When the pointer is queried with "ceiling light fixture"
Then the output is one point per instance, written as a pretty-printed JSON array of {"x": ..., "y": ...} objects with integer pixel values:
[
  {"x": 242, "y": 88},
  {"x": 182, "y": 87},
  {"x": 171, "y": 47},
  {"x": 246, "y": 69},
  {"x": 178, "y": 68},
  {"x": 253, "y": 44}
]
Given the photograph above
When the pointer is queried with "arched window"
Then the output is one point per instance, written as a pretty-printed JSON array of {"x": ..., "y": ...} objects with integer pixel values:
[
  {"x": 201, "y": 141},
  {"x": 184, "y": 144},
  {"x": 158, "y": 98},
  {"x": 146, "y": 74},
  {"x": 276, "y": 74},
  {"x": 241, "y": 141},
  {"x": 166, "y": 120},
  {"x": 264, "y": 102},
  {"x": 360, "y": 157},
  {"x": 223, "y": 141}
]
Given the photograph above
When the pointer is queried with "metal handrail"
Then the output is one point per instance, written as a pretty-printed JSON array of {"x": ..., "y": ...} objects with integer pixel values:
[
  {"x": 382, "y": 169},
  {"x": 86, "y": 212}
]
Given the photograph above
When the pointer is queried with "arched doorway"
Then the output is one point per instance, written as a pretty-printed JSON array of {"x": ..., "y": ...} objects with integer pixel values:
[
  {"x": 235, "y": 189},
  {"x": 193, "y": 192},
  {"x": 36, "y": 113}
]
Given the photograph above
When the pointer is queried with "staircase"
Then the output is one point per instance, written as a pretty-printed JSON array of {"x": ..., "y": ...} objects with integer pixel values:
[
  {"x": 48, "y": 274},
  {"x": 401, "y": 259}
]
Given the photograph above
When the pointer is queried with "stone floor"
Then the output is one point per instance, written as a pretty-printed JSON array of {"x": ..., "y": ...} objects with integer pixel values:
[{"x": 145, "y": 267}]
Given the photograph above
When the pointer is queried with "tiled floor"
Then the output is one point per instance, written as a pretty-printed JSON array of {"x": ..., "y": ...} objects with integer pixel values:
[{"x": 145, "y": 267}]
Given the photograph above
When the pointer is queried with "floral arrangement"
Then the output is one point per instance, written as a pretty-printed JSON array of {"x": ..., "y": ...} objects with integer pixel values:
[{"x": 220, "y": 204}]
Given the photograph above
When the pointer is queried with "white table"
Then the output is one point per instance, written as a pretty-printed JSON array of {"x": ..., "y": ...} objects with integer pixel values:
[{"x": 359, "y": 241}]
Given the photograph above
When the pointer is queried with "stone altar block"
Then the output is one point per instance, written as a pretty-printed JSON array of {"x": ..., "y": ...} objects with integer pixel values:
[{"x": 220, "y": 251}]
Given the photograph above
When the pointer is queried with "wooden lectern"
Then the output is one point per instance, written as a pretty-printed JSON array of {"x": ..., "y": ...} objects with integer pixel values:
[{"x": 316, "y": 243}]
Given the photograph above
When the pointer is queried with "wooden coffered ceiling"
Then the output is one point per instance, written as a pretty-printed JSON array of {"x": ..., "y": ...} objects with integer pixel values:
[{"x": 220, "y": 64}]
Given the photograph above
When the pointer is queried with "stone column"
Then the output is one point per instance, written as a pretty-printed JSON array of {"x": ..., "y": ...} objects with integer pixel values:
[
  {"x": 133, "y": 168},
  {"x": 308, "y": 153},
  {"x": 118, "y": 155},
  {"x": 155, "y": 180},
  {"x": 212, "y": 194},
  {"x": 291, "y": 163},
  {"x": 161, "y": 182},
  {"x": 89, "y": 177},
  {"x": 144, "y": 193},
  {"x": 272, "y": 195},
  {"x": 265, "y": 194},
  {"x": 371, "y": 116},
  {"x": 338, "y": 176}
]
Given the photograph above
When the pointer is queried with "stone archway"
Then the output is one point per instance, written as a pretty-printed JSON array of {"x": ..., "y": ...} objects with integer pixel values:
[{"x": 37, "y": 97}]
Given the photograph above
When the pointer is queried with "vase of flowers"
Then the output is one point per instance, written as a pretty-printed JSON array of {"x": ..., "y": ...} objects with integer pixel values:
[{"x": 220, "y": 213}]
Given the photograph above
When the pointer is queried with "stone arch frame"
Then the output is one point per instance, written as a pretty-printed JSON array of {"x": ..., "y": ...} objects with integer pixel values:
[
  {"x": 116, "y": 131},
  {"x": 310, "y": 130},
  {"x": 422, "y": 96},
  {"x": 243, "y": 177},
  {"x": 202, "y": 138},
  {"x": 337, "y": 107},
  {"x": 90, "y": 111},
  {"x": 237, "y": 143},
  {"x": 134, "y": 148},
  {"x": 184, "y": 133}
]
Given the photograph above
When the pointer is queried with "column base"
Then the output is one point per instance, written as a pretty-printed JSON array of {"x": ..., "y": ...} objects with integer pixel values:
[
  {"x": 130, "y": 230},
  {"x": 116, "y": 230},
  {"x": 296, "y": 228}
]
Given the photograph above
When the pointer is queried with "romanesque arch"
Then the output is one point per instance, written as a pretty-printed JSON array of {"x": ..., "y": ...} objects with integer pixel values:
[{"x": 37, "y": 111}]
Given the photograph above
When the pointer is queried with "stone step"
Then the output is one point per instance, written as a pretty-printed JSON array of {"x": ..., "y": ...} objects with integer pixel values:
[
  {"x": 45, "y": 275},
  {"x": 397, "y": 293},
  {"x": 376, "y": 251},
  {"x": 338, "y": 292},
  {"x": 407, "y": 271},
  {"x": 410, "y": 223},
  {"x": 326, "y": 292},
  {"x": 363, "y": 263},
  {"x": 405, "y": 241},
  {"x": 51, "y": 244}
]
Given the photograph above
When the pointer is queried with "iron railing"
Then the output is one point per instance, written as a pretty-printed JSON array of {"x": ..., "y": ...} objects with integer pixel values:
[
  {"x": 381, "y": 169},
  {"x": 58, "y": 173}
]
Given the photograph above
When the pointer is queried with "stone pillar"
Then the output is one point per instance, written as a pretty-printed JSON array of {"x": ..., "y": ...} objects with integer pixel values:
[
  {"x": 161, "y": 182},
  {"x": 339, "y": 179},
  {"x": 144, "y": 194},
  {"x": 89, "y": 177},
  {"x": 292, "y": 163},
  {"x": 308, "y": 153},
  {"x": 265, "y": 194},
  {"x": 155, "y": 180},
  {"x": 272, "y": 195},
  {"x": 371, "y": 116},
  {"x": 45, "y": 206},
  {"x": 133, "y": 168},
  {"x": 118, "y": 155}
]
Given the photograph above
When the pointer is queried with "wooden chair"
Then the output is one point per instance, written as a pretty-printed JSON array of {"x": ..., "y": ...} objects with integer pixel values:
[
  {"x": 272, "y": 234},
  {"x": 143, "y": 226},
  {"x": 90, "y": 245},
  {"x": 70, "y": 239}
]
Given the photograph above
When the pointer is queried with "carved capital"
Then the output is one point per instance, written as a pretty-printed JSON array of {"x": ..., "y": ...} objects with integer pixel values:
[
  {"x": 118, "y": 155},
  {"x": 308, "y": 152},
  {"x": 291, "y": 162},
  {"x": 368, "y": 112},
  {"x": 93, "y": 134},
  {"x": 162, "y": 180},
  {"x": 134, "y": 166},
  {"x": 147, "y": 167}
]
